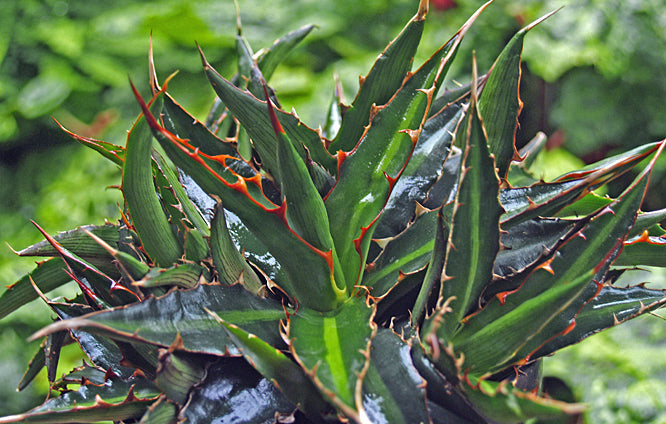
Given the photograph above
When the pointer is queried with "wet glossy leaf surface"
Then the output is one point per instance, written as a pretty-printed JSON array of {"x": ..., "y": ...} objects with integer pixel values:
[{"x": 234, "y": 393}]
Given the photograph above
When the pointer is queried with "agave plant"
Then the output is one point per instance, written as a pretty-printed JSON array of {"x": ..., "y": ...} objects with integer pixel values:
[{"x": 400, "y": 264}]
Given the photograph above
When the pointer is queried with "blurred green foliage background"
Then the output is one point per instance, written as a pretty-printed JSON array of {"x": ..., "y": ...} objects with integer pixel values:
[{"x": 593, "y": 81}]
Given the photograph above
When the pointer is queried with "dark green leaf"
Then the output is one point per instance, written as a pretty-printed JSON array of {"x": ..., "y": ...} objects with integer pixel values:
[
  {"x": 423, "y": 169},
  {"x": 610, "y": 307},
  {"x": 233, "y": 392},
  {"x": 102, "y": 351},
  {"x": 406, "y": 253},
  {"x": 36, "y": 364},
  {"x": 251, "y": 113},
  {"x": 177, "y": 373},
  {"x": 230, "y": 264},
  {"x": 500, "y": 104},
  {"x": 160, "y": 412},
  {"x": 381, "y": 83},
  {"x": 182, "y": 314},
  {"x": 646, "y": 251},
  {"x": 148, "y": 218},
  {"x": 544, "y": 307},
  {"x": 48, "y": 275},
  {"x": 393, "y": 391},
  {"x": 280, "y": 370},
  {"x": 507, "y": 404},
  {"x": 380, "y": 158},
  {"x": 245, "y": 197},
  {"x": 113, "y": 400},
  {"x": 474, "y": 231},
  {"x": 269, "y": 58}
]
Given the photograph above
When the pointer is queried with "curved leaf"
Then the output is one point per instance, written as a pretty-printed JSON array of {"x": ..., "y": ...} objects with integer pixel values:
[
  {"x": 380, "y": 157},
  {"x": 280, "y": 370},
  {"x": 245, "y": 197},
  {"x": 181, "y": 314},
  {"x": 520, "y": 322},
  {"x": 148, "y": 218},
  {"x": 114, "y": 400},
  {"x": 393, "y": 391},
  {"x": 381, "y": 83},
  {"x": 48, "y": 275},
  {"x": 230, "y": 264},
  {"x": 612, "y": 306},
  {"x": 508, "y": 404},
  {"x": 233, "y": 392}
]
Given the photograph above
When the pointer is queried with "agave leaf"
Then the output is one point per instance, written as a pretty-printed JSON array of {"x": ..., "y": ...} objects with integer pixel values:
[
  {"x": 269, "y": 58},
  {"x": 500, "y": 103},
  {"x": 153, "y": 227},
  {"x": 547, "y": 199},
  {"x": 251, "y": 113},
  {"x": 181, "y": 314},
  {"x": 443, "y": 191},
  {"x": 619, "y": 163},
  {"x": 186, "y": 276},
  {"x": 255, "y": 251},
  {"x": 610, "y": 307},
  {"x": 185, "y": 208},
  {"x": 177, "y": 373},
  {"x": 36, "y": 364},
  {"x": 160, "y": 412},
  {"x": 234, "y": 392},
  {"x": 508, "y": 404},
  {"x": 474, "y": 231},
  {"x": 406, "y": 253},
  {"x": 48, "y": 275},
  {"x": 131, "y": 267},
  {"x": 245, "y": 197},
  {"x": 523, "y": 320},
  {"x": 102, "y": 351},
  {"x": 530, "y": 241},
  {"x": 393, "y": 391},
  {"x": 334, "y": 350},
  {"x": 230, "y": 264},
  {"x": 381, "y": 83},
  {"x": 114, "y": 400},
  {"x": 643, "y": 250},
  {"x": 380, "y": 158},
  {"x": 585, "y": 205},
  {"x": 432, "y": 280},
  {"x": 305, "y": 211},
  {"x": 279, "y": 369},
  {"x": 335, "y": 112},
  {"x": 444, "y": 392},
  {"x": 77, "y": 241},
  {"x": 114, "y": 153},
  {"x": 458, "y": 94},
  {"x": 423, "y": 169},
  {"x": 649, "y": 221},
  {"x": 179, "y": 122},
  {"x": 99, "y": 287}
]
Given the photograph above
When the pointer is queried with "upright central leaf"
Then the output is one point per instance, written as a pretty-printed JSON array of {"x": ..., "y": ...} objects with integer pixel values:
[
  {"x": 474, "y": 234},
  {"x": 334, "y": 349},
  {"x": 382, "y": 81},
  {"x": 367, "y": 175}
]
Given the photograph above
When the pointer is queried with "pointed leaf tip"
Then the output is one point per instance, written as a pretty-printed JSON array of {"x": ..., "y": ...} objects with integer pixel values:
[
  {"x": 423, "y": 10},
  {"x": 277, "y": 127}
]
